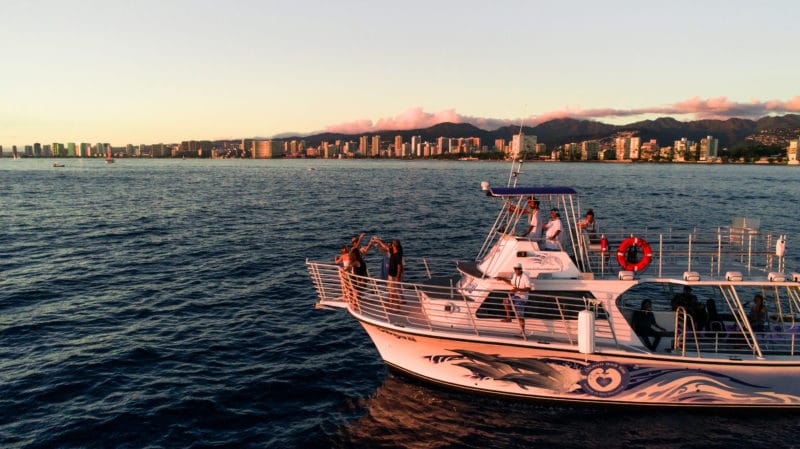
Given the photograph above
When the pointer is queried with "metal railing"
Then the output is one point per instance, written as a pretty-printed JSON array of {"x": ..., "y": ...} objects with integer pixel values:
[
  {"x": 734, "y": 338},
  {"x": 437, "y": 304},
  {"x": 710, "y": 254}
]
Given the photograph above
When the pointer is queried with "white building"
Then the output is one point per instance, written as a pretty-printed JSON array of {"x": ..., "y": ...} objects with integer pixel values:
[{"x": 792, "y": 151}]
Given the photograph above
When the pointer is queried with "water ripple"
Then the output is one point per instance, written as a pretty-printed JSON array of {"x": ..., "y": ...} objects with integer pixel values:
[{"x": 166, "y": 304}]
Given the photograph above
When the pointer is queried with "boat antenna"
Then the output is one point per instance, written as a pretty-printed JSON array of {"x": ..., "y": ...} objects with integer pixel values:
[{"x": 516, "y": 156}]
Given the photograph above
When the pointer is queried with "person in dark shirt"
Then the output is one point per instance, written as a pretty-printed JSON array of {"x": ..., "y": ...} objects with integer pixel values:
[
  {"x": 689, "y": 302},
  {"x": 758, "y": 314},
  {"x": 358, "y": 265},
  {"x": 644, "y": 324},
  {"x": 395, "y": 273}
]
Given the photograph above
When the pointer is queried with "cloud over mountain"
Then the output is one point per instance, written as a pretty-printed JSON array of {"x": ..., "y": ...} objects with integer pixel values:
[{"x": 699, "y": 108}]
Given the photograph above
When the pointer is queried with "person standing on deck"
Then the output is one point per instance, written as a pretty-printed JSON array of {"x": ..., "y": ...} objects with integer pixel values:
[
  {"x": 395, "y": 273},
  {"x": 359, "y": 266},
  {"x": 552, "y": 231},
  {"x": 518, "y": 297},
  {"x": 535, "y": 220}
]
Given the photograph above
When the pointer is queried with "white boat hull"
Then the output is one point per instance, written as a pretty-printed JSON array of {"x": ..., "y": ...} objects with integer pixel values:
[{"x": 569, "y": 376}]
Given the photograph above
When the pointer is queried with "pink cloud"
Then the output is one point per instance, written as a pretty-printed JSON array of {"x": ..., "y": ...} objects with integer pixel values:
[{"x": 699, "y": 108}]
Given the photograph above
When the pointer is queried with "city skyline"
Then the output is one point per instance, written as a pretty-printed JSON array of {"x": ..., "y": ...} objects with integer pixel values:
[{"x": 177, "y": 70}]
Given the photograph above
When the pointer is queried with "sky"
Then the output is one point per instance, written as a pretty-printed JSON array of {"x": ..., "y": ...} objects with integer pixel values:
[{"x": 164, "y": 71}]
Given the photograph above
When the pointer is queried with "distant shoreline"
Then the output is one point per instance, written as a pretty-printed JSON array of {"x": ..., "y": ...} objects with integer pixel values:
[{"x": 536, "y": 161}]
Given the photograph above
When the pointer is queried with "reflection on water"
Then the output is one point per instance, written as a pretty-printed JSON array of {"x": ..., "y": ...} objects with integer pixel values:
[
  {"x": 161, "y": 303},
  {"x": 404, "y": 412}
]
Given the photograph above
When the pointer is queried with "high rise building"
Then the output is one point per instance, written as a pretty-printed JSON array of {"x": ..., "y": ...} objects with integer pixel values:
[
  {"x": 709, "y": 148},
  {"x": 529, "y": 145},
  {"x": 398, "y": 146},
  {"x": 589, "y": 150},
  {"x": 266, "y": 149},
  {"x": 376, "y": 146},
  {"x": 792, "y": 152},
  {"x": 515, "y": 147},
  {"x": 416, "y": 146}
]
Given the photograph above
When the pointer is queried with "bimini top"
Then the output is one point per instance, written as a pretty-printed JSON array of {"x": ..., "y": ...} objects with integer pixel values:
[{"x": 517, "y": 191}]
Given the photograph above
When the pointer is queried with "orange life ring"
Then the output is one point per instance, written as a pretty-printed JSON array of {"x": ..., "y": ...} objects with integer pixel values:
[{"x": 628, "y": 252}]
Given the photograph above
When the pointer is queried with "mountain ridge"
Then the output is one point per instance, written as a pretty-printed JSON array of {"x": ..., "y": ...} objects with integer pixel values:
[{"x": 565, "y": 130}]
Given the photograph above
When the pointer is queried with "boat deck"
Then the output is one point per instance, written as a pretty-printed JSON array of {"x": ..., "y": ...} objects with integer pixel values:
[{"x": 435, "y": 305}]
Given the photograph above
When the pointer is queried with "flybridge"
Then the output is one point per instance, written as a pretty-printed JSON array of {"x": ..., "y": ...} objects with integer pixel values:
[{"x": 517, "y": 191}]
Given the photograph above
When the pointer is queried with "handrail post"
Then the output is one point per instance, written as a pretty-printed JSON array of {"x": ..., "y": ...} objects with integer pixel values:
[
  {"x": 563, "y": 319},
  {"x": 422, "y": 307},
  {"x": 470, "y": 315},
  {"x": 719, "y": 252}
]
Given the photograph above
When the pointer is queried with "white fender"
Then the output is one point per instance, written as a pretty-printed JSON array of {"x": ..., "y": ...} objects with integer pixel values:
[
  {"x": 780, "y": 246},
  {"x": 585, "y": 332}
]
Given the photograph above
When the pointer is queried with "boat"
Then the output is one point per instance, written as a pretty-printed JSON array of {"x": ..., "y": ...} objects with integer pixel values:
[
  {"x": 56, "y": 164},
  {"x": 109, "y": 159},
  {"x": 581, "y": 343}
]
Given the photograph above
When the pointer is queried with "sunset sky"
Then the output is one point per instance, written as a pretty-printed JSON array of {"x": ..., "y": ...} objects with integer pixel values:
[{"x": 170, "y": 70}]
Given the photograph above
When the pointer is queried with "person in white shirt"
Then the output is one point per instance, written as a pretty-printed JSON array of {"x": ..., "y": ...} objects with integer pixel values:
[
  {"x": 518, "y": 296},
  {"x": 552, "y": 231},
  {"x": 535, "y": 221}
]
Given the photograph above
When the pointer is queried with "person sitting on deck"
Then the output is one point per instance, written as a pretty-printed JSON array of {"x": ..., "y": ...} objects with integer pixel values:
[
  {"x": 644, "y": 323},
  {"x": 689, "y": 302},
  {"x": 590, "y": 226},
  {"x": 758, "y": 314}
]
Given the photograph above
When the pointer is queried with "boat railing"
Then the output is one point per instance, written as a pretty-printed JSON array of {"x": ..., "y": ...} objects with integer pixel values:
[
  {"x": 440, "y": 304},
  {"x": 712, "y": 254},
  {"x": 436, "y": 304},
  {"x": 727, "y": 340},
  {"x": 733, "y": 337},
  {"x": 684, "y": 325}
]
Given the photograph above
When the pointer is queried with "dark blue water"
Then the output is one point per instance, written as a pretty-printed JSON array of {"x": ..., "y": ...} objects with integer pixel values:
[{"x": 166, "y": 303}]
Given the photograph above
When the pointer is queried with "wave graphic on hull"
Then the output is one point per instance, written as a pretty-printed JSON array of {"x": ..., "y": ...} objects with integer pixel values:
[{"x": 574, "y": 378}]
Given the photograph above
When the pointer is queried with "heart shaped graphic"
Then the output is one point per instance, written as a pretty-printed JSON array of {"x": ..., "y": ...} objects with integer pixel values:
[{"x": 603, "y": 381}]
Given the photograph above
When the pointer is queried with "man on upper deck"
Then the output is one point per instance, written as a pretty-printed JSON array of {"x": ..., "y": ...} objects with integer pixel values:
[
  {"x": 535, "y": 222},
  {"x": 552, "y": 231}
]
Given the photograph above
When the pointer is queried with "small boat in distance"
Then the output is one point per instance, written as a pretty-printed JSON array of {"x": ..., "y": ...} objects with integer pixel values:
[
  {"x": 577, "y": 335},
  {"x": 109, "y": 159},
  {"x": 56, "y": 164}
]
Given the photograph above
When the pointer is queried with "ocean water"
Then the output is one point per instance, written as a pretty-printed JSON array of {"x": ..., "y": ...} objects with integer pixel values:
[{"x": 165, "y": 303}]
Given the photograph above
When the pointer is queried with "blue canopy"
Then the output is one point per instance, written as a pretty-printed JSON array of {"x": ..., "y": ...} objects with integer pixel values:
[{"x": 517, "y": 191}]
